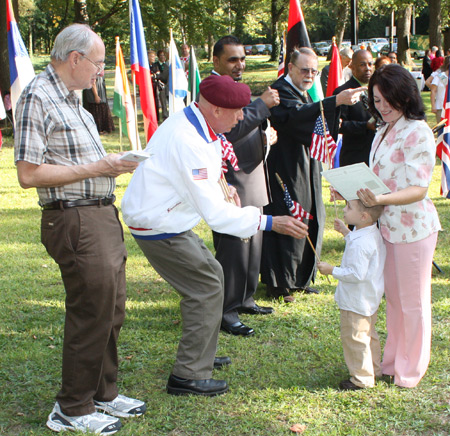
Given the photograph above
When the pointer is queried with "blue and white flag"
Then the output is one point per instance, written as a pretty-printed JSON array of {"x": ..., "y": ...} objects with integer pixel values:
[
  {"x": 178, "y": 84},
  {"x": 21, "y": 69}
]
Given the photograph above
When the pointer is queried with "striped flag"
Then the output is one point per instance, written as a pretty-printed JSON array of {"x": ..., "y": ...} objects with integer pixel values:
[
  {"x": 281, "y": 59},
  {"x": 178, "y": 85},
  {"x": 443, "y": 146},
  {"x": 21, "y": 69},
  {"x": 228, "y": 154},
  {"x": 335, "y": 75},
  {"x": 193, "y": 76},
  {"x": 294, "y": 208},
  {"x": 318, "y": 149},
  {"x": 141, "y": 69},
  {"x": 123, "y": 104}
]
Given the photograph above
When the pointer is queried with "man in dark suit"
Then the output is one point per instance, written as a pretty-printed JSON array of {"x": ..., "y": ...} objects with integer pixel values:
[
  {"x": 357, "y": 126},
  {"x": 287, "y": 265},
  {"x": 240, "y": 259}
]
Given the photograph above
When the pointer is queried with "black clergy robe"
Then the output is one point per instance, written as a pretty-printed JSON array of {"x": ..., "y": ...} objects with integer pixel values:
[{"x": 287, "y": 262}]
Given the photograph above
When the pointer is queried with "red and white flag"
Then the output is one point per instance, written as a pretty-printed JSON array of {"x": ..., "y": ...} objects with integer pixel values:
[
  {"x": 318, "y": 148},
  {"x": 294, "y": 208}
]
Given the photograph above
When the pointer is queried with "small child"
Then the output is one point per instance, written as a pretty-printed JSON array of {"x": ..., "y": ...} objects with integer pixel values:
[{"x": 359, "y": 292}]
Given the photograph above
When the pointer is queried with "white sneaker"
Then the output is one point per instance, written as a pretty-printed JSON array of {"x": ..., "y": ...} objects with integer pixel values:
[
  {"x": 97, "y": 423},
  {"x": 122, "y": 406}
]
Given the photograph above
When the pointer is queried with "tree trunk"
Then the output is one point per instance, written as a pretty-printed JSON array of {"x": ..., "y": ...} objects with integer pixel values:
[
  {"x": 275, "y": 13},
  {"x": 343, "y": 10},
  {"x": 403, "y": 35},
  {"x": 447, "y": 38},
  {"x": 81, "y": 13},
  {"x": 434, "y": 7}
]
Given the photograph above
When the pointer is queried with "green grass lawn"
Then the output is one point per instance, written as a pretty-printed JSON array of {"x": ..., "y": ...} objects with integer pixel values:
[{"x": 286, "y": 374}]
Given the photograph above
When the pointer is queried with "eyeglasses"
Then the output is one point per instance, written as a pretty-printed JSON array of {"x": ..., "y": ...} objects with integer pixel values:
[
  {"x": 100, "y": 66},
  {"x": 306, "y": 71}
]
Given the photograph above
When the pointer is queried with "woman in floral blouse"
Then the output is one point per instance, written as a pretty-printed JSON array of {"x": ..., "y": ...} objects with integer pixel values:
[{"x": 403, "y": 156}]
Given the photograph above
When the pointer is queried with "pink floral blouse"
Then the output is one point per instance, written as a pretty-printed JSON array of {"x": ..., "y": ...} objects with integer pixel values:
[{"x": 406, "y": 157}]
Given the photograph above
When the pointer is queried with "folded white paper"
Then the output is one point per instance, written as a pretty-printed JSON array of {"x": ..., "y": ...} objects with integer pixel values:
[{"x": 350, "y": 179}]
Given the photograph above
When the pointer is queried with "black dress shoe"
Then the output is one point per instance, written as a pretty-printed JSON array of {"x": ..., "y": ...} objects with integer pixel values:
[
  {"x": 308, "y": 290},
  {"x": 208, "y": 387},
  {"x": 220, "y": 362},
  {"x": 347, "y": 385},
  {"x": 237, "y": 329},
  {"x": 256, "y": 310}
]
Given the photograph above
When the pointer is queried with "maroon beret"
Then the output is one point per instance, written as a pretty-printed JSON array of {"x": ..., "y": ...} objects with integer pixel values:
[{"x": 224, "y": 92}]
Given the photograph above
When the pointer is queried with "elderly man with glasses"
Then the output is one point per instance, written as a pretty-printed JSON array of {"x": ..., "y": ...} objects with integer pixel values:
[
  {"x": 288, "y": 265},
  {"x": 59, "y": 152}
]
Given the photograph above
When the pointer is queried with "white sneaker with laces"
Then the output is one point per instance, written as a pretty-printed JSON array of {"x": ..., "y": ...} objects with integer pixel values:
[
  {"x": 97, "y": 423},
  {"x": 122, "y": 407}
]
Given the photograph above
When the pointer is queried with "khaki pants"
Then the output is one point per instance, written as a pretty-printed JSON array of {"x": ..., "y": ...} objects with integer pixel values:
[
  {"x": 362, "y": 351},
  {"x": 87, "y": 244},
  {"x": 186, "y": 264}
]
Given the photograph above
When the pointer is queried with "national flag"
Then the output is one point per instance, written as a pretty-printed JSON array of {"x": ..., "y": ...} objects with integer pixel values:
[
  {"x": 21, "y": 69},
  {"x": 141, "y": 69},
  {"x": 281, "y": 59},
  {"x": 297, "y": 36},
  {"x": 178, "y": 85},
  {"x": 228, "y": 154},
  {"x": 200, "y": 174},
  {"x": 193, "y": 76},
  {"x": 123, "y": 104},
  {"x": 294, "y": 208},
  {"x": 318, "y": 149},
  {"x": 335, "y": 75},
  {"x": 443, "y": 146}
]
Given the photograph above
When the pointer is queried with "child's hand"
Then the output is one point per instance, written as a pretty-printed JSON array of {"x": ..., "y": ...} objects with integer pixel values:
[
  {"x": 340, "y": 226},
  {"x": 325, "y": 268}
]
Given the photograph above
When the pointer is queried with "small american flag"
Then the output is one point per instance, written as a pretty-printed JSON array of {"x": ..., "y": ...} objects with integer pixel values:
[
  {"x": 227, "y": 153},
  {"x": 317, "y": 149},
  {"x": 200, "y": 174},
  {"x": 281, "y": 59},
  {"x": 294, "y": 208}
]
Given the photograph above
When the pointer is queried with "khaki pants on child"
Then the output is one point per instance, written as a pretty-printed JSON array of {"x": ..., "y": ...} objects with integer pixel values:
[{"x": 362, "y": 351}]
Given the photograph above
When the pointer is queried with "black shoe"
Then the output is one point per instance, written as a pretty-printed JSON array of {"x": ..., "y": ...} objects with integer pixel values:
[
  {"x": 208, "y": 387},
  {"x": 237, "y": 329},
  {"x": 220, "y": 362},
  {"x": 307, "y": 290},
  {"x": 277, "y": 292},
  {"x": 347, "y": 385},
  {"x": 256, "y": 310}
]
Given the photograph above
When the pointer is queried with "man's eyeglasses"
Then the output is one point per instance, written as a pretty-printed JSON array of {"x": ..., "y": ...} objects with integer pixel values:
[
  {"x": 306, "y": 71},
  {"x": 100, "y": 66}
]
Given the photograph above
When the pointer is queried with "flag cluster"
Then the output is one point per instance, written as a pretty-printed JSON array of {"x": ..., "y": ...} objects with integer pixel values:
[
  {"x": 443, "y": 146},
  {"x": 321, "y": 138},
  {"x": 294, "y": 208},
  {"x": 227, "y": 154}
]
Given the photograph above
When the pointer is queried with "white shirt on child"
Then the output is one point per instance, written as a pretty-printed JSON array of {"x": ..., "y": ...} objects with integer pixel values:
[{"x": 361, "y": 279}]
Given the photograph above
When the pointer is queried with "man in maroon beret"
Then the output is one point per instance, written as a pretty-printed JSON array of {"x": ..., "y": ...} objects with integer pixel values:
[{"x": 181, "y": 183}]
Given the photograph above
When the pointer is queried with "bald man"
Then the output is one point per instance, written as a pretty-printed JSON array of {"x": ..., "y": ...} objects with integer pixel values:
[{"x": 169, "y": 194}]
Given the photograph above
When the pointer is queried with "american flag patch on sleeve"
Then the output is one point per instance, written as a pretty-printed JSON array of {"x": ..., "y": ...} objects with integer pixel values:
[{"x": 200, "y": 174}]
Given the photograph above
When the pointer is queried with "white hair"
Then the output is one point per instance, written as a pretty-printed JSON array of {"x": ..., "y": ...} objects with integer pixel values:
[
  {"x": 76, "y": 37},
  {"x": 346, "y": 52}
]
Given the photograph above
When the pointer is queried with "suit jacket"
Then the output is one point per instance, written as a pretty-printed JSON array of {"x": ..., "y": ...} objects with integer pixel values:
[
  {"x": 357, "y": 139},
  {"x": 248, "y": 144}
]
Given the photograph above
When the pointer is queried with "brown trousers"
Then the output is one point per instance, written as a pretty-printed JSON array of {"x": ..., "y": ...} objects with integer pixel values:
[
  {"x": 87, "y": 244},
  {"x": 186, "y": 263}
]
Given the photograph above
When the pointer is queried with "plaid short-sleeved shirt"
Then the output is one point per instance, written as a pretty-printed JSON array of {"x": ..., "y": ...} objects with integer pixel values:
[{"x": 53, "y": 128}]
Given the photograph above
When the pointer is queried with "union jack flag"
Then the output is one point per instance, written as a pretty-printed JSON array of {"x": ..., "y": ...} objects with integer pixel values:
[
  {"x": 294, "y": 208},
  {"x": 318, "y": 149},
  {"x": 443, "y": 146},
  {"x": 227, "y": 154}
]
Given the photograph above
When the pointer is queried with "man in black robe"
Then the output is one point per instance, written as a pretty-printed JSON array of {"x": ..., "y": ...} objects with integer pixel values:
[{"x": 287, "y": 264}]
